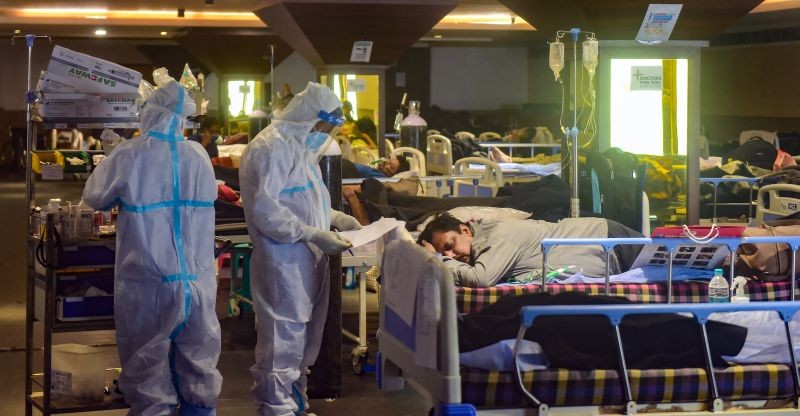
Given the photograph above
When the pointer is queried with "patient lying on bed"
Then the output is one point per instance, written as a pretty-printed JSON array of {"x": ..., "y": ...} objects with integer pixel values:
[
  {"x": 384, "y": 169},
  {"x": 484, "y": 253}
]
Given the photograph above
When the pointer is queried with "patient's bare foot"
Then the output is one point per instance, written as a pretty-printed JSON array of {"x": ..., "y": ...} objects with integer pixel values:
[{"x": 499, "y": 156}]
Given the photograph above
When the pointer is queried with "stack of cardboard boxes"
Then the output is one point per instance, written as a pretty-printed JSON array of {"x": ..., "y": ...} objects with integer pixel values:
[{"x": 82, "y": 88}]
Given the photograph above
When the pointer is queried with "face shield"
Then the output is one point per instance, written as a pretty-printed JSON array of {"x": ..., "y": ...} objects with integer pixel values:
[{"x": 326, "y": 127}]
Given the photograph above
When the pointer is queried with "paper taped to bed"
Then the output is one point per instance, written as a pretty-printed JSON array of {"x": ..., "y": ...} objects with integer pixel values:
[{"x": 372, "y": 232}]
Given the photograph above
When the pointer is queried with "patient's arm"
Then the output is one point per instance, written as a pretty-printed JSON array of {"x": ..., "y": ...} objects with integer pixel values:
[
  {"x": 356, "y": 208},
  {"x": 493, "y": 262}
]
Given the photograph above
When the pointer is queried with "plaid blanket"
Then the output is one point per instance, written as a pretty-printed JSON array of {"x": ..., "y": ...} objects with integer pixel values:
[
  {"x": 562, "y": 387},
  {"x": 470, "y": 300}
]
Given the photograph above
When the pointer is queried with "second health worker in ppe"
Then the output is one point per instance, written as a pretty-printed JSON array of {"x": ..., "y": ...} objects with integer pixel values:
[{"x": 288, "y": 212}]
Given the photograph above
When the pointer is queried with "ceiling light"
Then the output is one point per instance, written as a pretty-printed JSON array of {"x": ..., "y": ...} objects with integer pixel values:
[
  {"x": 163, "y": 33},
  {"x": 96, "y": 16},
  {"x": 100, "y": 32},
  {"x": 457, "y": 39},
  {"x": 17, "y": 31},
  {"x": 437, "y": 36},
  {"x": 148, "y": 17},
  {"x": 483, "y": 21}
]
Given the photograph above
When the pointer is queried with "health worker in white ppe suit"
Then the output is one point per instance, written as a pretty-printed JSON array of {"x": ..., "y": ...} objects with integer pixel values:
[
  {"x": 288, "y": 214},
  {"x": 165, "y": 289}
]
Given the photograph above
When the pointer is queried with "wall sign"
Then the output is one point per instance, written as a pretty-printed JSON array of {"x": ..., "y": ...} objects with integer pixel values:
[
  {"x": 356, "y": 85},
  {"x": 659, "y": 20},
  {"x": 361, "y": 51},
  {"x": 646, "y": 78}
]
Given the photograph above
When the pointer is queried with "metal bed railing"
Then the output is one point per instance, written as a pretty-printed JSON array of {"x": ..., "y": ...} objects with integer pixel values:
[
  {"x": 671, "y": 244},
  {"x": 615, "y": 314},
  {"x": 554, "y": 147},
  {"x": 715, "y": 183}
]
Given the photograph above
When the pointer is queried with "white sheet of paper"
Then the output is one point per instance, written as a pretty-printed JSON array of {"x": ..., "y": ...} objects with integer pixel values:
[
  {"x": 372, "y": 232},
  {"x": 425, "y": 350}
]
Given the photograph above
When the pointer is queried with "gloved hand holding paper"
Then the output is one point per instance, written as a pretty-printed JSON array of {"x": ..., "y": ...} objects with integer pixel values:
[{"x": 372, "y": 232}]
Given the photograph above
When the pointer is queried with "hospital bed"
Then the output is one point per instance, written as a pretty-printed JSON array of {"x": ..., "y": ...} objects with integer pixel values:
[
  {"x": 415, "y": 158},
  {"x": 662, "y": 291},
  {"x": 464, "y": 135},
  {"x": 493, "y": 176},
  {"x": 433, "y": 186},
  {"x": 418, "y": 341},
  {"x": 715, "y": 182},
  {"x": 772, "y": 201},
  {"x": 777, "y": 200},
  {"x": 554, "y": 147},
  {"x": 440, "y": 155}
]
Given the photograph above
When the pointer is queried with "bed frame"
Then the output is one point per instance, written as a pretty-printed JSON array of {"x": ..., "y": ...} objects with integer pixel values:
[
  {"x": 441, "y": 382},
  {"x": 672, "y": 245},
  {"x": 778, "y": 204}
]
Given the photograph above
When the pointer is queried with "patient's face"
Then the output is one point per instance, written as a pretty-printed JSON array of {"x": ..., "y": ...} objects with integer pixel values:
[
  {"x": 389, "y": 167},
  {"x": 457, "y": 245}
]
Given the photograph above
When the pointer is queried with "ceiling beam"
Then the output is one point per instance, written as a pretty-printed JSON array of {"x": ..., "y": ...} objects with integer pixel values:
[{"x": 323, "y": 31}]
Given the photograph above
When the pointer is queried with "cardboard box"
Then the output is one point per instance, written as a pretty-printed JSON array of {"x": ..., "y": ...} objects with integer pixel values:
[
  {"x": 106, "y": 108},
  {"x": 87, "y": 74}
]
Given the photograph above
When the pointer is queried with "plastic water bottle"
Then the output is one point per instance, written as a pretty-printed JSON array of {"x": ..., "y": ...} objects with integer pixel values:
[{"x": 718, "y": 289}]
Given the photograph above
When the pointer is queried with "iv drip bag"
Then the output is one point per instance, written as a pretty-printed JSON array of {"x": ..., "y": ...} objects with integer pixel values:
[
  {"x": 556, "y": 58},
  {"x": 590, "y": 55}
]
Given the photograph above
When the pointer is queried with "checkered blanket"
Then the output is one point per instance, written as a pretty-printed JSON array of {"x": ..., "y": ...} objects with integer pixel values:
[
  {"x": 562, "y": 387},
  {"x": 470, "y": 300}
]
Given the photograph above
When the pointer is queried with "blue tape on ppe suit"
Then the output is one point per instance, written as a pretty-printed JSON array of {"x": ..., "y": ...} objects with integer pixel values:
[
  {"x": 296, "y": 189},
  {"x": 167, "y": 204}
]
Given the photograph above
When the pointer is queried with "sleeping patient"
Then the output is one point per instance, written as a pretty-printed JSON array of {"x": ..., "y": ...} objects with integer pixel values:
[{"x": 484, "y": 253}]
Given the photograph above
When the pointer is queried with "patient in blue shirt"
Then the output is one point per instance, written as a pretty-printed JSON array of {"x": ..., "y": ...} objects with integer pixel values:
[
  {"x": 384, "y": 169},
  {"x": 209, "y": 132}
]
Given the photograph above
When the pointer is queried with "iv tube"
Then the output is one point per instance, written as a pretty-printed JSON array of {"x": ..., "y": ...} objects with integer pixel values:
[
  {"x": 590, "y": 56},
  {"x": 557, "y": 58}
]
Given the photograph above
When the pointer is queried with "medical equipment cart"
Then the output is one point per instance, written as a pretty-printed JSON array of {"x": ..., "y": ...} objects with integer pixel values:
[{"x": 50, "y": 261}]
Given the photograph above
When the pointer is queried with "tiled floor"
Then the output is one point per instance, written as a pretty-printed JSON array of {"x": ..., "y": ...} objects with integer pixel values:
[{"x": 359, "y": 394}]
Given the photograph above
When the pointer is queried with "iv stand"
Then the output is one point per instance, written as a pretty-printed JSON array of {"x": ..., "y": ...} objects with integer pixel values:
[
  {"x": 572, "y": 134},
  {"x": 271, "y": 77},
  {"x": 30, "y": 98}
]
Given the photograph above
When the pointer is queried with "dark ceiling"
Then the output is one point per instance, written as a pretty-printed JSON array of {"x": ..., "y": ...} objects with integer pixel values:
[
  {"x": 324, "y": 34},
  {"x": 324, "y": 31},
  {"x": 233, "y": 51}
]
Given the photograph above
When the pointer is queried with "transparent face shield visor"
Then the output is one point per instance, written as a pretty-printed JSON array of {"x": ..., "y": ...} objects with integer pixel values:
[{"x": 330, "y": 124}]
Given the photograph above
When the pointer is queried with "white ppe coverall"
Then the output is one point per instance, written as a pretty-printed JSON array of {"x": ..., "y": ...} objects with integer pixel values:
[
  {"x": 165, "y": 289},
  {"x": 286, "y": 204}
]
